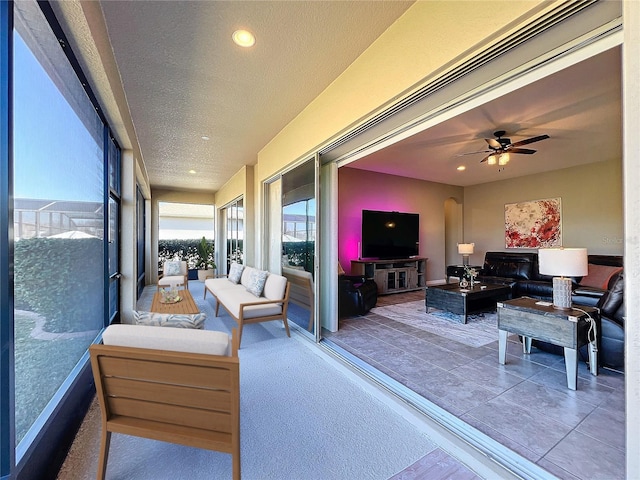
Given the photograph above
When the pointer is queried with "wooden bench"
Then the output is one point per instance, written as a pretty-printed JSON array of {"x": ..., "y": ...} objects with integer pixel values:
[
  {"x": 185, "y": 396},
  {"x": 301, "y": 292}
]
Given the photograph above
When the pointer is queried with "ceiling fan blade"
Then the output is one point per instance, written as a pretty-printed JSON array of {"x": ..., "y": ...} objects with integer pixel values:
[
  {"x": 486, "y": 158},
  {"x": 530, "y": 140},
  {"x": 493, "y": 143},
  {"x": 521, "y": 150},
  {"x": 473, "y": 153}
]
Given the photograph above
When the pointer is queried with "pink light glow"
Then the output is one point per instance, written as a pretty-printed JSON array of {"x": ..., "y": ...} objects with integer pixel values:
[{"x": 357, "y": 191}]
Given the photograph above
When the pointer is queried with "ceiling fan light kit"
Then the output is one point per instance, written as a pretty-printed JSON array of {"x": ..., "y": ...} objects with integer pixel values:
[{"x": 500, "y": 148}]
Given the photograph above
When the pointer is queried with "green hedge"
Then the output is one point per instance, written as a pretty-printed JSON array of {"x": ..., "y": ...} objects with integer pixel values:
[
  {"x": 300, "y": 254},
  {"x": 62, "y": 280},
  {"x": 182, "y": 249}
]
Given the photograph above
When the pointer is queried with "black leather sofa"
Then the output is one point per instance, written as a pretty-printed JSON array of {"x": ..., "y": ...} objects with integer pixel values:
[
  {"x": 519, "y": 270},
  {"x": 356, "y": 295}
]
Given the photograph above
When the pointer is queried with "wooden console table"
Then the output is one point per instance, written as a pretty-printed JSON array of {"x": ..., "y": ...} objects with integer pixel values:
[
  {"x": 185, "y": 306},
  {"x": 394, "y": 275},
  {"x": 532, "y": 318}
]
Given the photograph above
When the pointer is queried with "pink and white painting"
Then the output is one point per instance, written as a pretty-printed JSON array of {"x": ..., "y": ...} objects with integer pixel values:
[{"x": 534, "y": 224}]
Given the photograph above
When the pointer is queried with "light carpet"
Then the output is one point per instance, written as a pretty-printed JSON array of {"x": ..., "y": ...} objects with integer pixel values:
[
  {"x": 479, "y": 330},
  {"x": 302, "y": 417}
]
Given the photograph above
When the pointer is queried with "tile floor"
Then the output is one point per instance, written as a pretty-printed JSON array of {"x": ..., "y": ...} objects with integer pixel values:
[{"x": 525, "y": 404}]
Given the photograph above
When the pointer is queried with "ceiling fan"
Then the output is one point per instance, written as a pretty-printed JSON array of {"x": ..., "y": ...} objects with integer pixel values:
[{"x": 500, "y": 148}]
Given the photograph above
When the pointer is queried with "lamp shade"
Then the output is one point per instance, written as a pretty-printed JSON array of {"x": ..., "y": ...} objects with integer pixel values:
[
  {"x": 465, "y": 248},
  {"x": 563, "y": 262}
]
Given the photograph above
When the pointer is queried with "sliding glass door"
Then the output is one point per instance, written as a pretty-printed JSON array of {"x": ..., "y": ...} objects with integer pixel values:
[
  {"x": 232, "y": 238},
  {"x": 297, "y": 230}
]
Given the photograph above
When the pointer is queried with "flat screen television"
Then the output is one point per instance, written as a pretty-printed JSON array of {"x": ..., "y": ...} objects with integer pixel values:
[{"x": 387, "y": 235}]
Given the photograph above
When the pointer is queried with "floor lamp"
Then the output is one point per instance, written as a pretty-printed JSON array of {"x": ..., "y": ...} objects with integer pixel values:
[{"x": 562, "y": 263}]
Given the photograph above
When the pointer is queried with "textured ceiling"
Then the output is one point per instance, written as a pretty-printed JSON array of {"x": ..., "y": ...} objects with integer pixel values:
[{"x": 184, "y": 78}]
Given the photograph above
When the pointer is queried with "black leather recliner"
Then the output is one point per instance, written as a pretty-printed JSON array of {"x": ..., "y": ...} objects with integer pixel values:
[
  {"x": 611, "y": 305},
  {"x": 356, "y": 295}
]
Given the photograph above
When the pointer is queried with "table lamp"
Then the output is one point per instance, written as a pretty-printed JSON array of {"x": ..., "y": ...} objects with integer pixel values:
[
  {"x": 465, "y": 249},
  {"x": 562, "y": 263}
]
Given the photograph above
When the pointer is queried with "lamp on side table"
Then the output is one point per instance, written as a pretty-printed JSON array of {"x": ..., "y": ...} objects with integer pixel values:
[
  {"x": 465, "y": 249},
  {"x": 562, "y": 263}
]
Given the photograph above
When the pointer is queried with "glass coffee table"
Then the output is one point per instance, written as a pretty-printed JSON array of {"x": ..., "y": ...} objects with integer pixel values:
[{"x": 463, "y": 301}]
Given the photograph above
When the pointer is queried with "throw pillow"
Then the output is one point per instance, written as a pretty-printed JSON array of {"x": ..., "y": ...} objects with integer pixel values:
[
  {"x": 235, "y": 272},
  {"x": 172, "y": 268},
  {"x": 599, "y": 276},
  {"x": 257, "y": 281},
  {"x": 176, "y": 320}
]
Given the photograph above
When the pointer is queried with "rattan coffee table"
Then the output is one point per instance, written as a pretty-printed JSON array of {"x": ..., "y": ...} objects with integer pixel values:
[{"x": 463, "y": 301}]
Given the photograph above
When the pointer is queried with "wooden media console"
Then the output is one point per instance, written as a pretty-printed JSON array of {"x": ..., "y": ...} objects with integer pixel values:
[{"x": 393, "y": 275}]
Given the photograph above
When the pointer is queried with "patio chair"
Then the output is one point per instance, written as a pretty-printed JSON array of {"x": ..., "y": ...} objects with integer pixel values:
[
  {"x": 175, "y": 385},
  {"x": 174, "y": 272}
]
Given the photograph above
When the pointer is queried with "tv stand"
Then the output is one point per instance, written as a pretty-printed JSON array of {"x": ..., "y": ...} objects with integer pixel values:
[{"x": 393, "y": 275}]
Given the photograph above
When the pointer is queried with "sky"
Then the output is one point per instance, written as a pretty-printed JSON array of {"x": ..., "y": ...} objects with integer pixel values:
[{"x": 55, "y": 157}]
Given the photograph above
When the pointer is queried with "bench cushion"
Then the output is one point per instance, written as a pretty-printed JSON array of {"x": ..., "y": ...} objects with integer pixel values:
[
  {"x": 216, "y": 284},
  {"x": 275, "y": 287},
  {"x": 176, "y": 320},
  {"x": 232, "y": 298},
  {"x": 171, "y": 280},
  {"x": 173, "y": 339}
]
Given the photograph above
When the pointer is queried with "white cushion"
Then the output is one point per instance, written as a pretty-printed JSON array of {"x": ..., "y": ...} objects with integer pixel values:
[
  {"x": 172, "y": 268},
  {"x": 232, "y": 298},
  {"x": 216, "y": 284},
  {"x": 177, "y": 320},
  {"x": 274, "y": 287},
  {"x": 173, "y": 339},
  {"x": 257, "y": 281},
  {"x": 171, "y": 280},
  {"x": 246, "y": 276},
  {"x": 235, "y": 272}
]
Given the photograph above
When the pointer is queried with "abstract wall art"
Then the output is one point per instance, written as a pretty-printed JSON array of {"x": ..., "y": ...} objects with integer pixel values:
[{"x": 533, "y": 224}]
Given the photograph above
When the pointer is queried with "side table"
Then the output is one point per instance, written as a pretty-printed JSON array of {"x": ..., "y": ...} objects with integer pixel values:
[{"x": 569, "y": 329}]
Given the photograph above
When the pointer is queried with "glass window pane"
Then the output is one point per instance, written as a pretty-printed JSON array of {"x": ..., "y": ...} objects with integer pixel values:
[
  {"x": 181, "y": 228},
  {"x": 298, "y": 217},
  {"x": 299, "y": 231},
  {"x": 234, "y": 235},
  {"x": 114, "y": 235},
  {"x": 58, "y": 186},
  {"x": 114, "y": 167}
]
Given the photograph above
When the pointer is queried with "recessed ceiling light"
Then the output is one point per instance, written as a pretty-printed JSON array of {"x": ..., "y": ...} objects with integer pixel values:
[
  {"x": 243, "y": 38},
  {"x": 461, "y": 168},
  {"x": 204, "y": 137},
  {"x": 192, "y": 172}
]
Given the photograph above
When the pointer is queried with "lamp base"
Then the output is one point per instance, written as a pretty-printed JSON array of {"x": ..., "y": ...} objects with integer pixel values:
[
  {"x": 465, "y": 260},
  {"x": 562, "y": 293}
]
